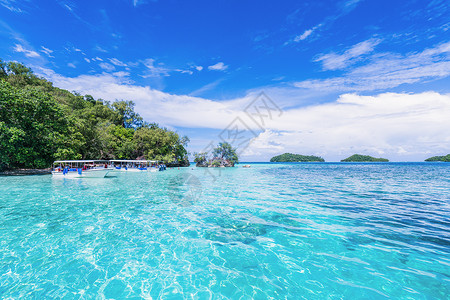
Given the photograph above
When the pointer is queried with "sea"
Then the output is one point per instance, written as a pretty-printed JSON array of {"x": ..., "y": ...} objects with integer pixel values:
[{"x": 271, "y": 231}]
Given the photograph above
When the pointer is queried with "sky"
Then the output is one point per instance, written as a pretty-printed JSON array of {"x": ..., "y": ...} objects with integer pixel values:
[{"x": 327, "y": 78}]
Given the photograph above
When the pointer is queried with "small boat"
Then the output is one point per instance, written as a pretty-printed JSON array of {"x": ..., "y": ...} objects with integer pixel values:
[
  {"x": 124, "y": 165},
  {"x": 81, "y": 168},
  {"x": 246, "y": 166}
]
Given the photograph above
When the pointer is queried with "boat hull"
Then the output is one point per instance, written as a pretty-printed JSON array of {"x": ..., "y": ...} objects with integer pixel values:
[{"x": 92, "y": 173}]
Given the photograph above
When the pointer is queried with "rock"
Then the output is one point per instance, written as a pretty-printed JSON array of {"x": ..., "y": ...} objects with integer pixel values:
[{"x": 23, "y": 172}]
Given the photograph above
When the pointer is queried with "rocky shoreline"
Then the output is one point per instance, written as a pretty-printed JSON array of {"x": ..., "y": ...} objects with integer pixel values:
[{"x": 24, "y": 172}]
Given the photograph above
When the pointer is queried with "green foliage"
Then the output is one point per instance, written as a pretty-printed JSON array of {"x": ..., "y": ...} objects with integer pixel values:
[
  {"x": 40, "y": 123},
  {"x": 151, "y": 141},
  {"x": 33, "y": 127},
  {"x": 224, "y": 155},
  {"x": 227, "y": 152},
  {"x": 445, "y": 158},
  {"x": 127, "y": 116},
  {"x": 201, "y": 157},
  {"x": 289, "y": 157},
  {"x": 363, "y": 158}
]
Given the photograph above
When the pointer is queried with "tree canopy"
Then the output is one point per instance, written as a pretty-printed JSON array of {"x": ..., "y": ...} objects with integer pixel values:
[
  {"x": 363, "y": 158},
  {"x": 445, "y": 158},
  {"x": 289, "y": 157},
  {"x": 224, "y": 155},
  {"x": 40, "y": 123}
]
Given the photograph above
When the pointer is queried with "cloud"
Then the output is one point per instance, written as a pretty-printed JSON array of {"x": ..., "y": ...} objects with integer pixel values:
[
  {"x": 117, "y": 62},
  {"x": 304, "y": 35},
  {"x": 198, "y": 68},
  {"x": 87, "y": 60},
  {"x": 47, "y": 51},
  {"x": 220, "y": 66},
  {"x": 136, "y": 3},
  {"x": 28, "y": 53},
  {"x": 343, "y": 8},
  {"x": 11, "y": 5},
  {"x": 386, "y": 70},
  {"x": 100, "y": 49},
  {"x": 106, "y": 66},
  {"x": 72, "y": 65},
  {"x": 333, "y": 61},
  {"x": 395, "y": 125},
  {"x": 152, "y": 104},
  {"x": 206, "y": 87},
  {"x": 154, "y": 70}
]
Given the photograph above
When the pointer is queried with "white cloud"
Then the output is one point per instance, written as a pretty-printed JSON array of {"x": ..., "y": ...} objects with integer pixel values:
[
  {"x": 87, "y": 60},
  {"x": 117, "y": 62},
  {"x": 387, "y": 71},
  {"x": 28, "y": 53},
  {"x": 11, "y": 5},
  {"x": 393, "y": 125},
  {"x": 72, "y": 65},
  {"x": 399, "y": 126},
  {"x": 304, "y": 35},
  {"x": 106, "y": 66},
  {"x": 198, "y": 68},
  {"x": 333, "y": 61},
  {"x": 153, "y": 105},
  {"x": 47, "y": 51},
  {"x": 100, "y": 49},
  {"x": 220, "y": 66},
  {"x": 154, "y": 70},
  {"x": 343, "y": 8}
]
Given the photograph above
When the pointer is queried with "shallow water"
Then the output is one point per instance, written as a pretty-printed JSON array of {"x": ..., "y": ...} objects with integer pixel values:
[{"x": 286, "y": 231}]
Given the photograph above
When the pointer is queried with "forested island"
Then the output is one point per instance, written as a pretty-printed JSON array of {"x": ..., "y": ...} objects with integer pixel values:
[
  {"x": 40, "y": 123},
  {"x": 224, "y": 155},
  {"x": 289, "y": 157},
  {"x": 445, "y": 158},
  {"x": 363, "y": 158}
]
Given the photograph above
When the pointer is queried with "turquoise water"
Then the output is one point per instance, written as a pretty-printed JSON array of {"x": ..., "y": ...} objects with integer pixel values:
[{"x": 282, "y": 231}]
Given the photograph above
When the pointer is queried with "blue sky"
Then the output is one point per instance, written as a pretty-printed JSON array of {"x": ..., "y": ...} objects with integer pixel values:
[{"x": 348, "y": 76}]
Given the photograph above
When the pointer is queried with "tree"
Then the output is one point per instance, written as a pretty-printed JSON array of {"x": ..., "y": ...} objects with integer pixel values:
[
  {"x": 363, "y": 158},
  {"x": 33, "y": 128},
  {"x": 289, "y": 157},
  {"x": 128, "y": 117},
  {"x": 226, "y": 151},
  {"x": 445, "y": 158},
  {"x": 40, "y": 123},
  {"x": 153, "y": 142},
  {"x": 200, "y": 158}
]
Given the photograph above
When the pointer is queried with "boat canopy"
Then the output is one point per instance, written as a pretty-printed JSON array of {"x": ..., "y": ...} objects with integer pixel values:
[
  {"x": 104, "y": 161},
  {"x": 79, "y": 161},
  {"x": 133, "y": 161}
]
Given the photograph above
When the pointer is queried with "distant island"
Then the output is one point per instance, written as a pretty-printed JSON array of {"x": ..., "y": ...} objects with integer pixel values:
[
  {"x": 363, "y": 158},
  {"x": 289, "y": 157},
  {"x": 445, "y": 158}
]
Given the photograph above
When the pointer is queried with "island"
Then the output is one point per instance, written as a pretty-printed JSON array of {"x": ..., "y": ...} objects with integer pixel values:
[
  {"x": 224, "y": 155},
  {"x": 445, "y": 158},
  {"x": 290, "y": 157},
  {"x": 363, "y": 158},
  {"x": 40, "y": 123}
]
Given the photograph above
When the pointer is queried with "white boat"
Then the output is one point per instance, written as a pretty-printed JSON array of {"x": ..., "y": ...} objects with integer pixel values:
[
  {"x": 123, "y": 165},
  {"x": 81, "y": 168}
]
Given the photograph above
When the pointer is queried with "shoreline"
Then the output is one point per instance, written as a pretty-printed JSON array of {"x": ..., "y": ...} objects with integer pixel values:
[{"x": 25, "y": 172}]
